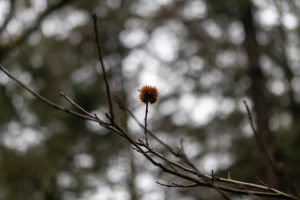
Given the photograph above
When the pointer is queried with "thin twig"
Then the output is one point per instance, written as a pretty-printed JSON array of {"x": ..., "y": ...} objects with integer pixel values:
[
  {"x": 46, "y": 101},
  {"x": 207, "y": 179},
  {"x": 260, "y": 143},
  {"x": 100, "y": 57},
  {"x": 177, "y": 185},
  {"x": 187, "y": 160},
  {"x": 75, "y": 104},
  {"x": 261, "y": 182},
  {"x": 145, "y": 127}
]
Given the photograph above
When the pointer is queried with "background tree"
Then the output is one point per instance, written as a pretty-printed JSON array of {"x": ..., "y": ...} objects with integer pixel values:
[{"x": 206, "y": 57}]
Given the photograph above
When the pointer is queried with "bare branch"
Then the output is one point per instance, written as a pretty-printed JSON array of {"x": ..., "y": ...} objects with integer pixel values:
[
  {"x": 100, "y": 57},
  {"x": 46, "y": 101},
  {"x": 186, "y": 174},
  {"x": 209, "y": 180},
  {"x": 177, "y": 185}
]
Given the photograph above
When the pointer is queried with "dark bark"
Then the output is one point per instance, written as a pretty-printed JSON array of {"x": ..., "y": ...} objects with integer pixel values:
[{"x": 257, "y": 91}]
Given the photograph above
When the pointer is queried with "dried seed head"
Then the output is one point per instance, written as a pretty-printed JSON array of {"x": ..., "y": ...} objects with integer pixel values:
[{"x": 148, "y": 94}]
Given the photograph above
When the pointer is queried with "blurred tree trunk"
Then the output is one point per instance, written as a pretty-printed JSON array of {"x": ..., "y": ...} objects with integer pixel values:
[
  {"x": 265, "y": 137},
  {"x": 132, "y": 177}
]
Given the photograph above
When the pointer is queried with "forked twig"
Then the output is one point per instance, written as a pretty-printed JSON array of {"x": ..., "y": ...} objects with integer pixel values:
[{"x": 46, "y": 101}]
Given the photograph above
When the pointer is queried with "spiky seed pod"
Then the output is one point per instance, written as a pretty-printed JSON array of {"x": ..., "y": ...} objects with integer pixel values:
[{"x": 148, "y": 94}]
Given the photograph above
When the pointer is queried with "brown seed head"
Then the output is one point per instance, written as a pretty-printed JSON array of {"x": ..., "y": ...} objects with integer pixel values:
[{"x": 148, "y": 94}]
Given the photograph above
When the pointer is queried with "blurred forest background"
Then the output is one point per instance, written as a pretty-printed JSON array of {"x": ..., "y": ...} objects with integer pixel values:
[{"x": 205, "y": 56}]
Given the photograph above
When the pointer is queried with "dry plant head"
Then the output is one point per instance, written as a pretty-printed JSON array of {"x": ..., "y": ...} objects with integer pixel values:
[{"x": 148, "y": 94}]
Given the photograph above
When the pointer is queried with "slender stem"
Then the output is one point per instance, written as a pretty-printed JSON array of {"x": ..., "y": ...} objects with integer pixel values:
[
  {"x": 123, "y": 107},
  {"x": 145, "y": 127},
  {"x": 100, "y": 57},
  {"x": 261, "y": 143}
]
